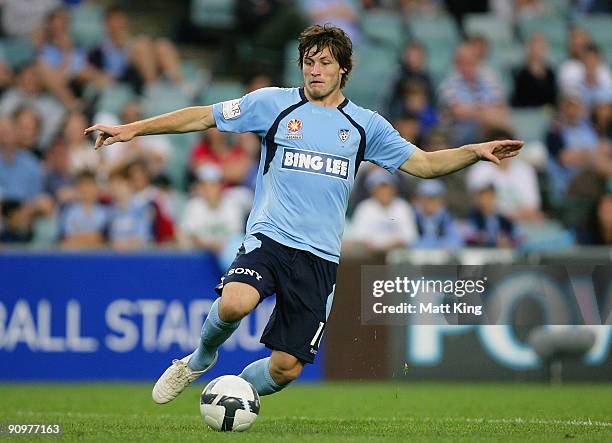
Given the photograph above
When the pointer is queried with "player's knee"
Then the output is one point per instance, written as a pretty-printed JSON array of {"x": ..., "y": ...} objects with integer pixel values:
[
  {"x": 285, "y": 369},
  {"x": 237, "y": 301}
]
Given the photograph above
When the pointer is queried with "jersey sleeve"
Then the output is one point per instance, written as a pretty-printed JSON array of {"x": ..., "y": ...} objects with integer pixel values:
[
  {"x": 254, "y": 112},
  {"x": 385, "y": 146}
]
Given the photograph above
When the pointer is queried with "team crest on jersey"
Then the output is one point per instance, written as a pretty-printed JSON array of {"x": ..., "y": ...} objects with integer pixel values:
[
  {"x": 344, "y": 134},
  {"x": 294, "y": 129}
]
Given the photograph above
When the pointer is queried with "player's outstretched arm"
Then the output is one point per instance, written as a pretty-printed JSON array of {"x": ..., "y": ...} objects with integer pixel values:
[
  {"x": 195, "y": 118},
  {"x": 434, "y": 164}
]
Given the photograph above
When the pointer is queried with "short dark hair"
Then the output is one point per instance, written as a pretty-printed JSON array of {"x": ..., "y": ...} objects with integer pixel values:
[
  {"x": 114, "y": 9},
  {"x": 86, "y": 175},
  {"x": 327, "y": 36}
]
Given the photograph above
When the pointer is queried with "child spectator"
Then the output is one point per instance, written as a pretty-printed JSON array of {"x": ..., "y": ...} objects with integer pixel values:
[
  {"x": 486, "y": 226},
  {"x": 83, "y": 222},
  {"x": 436, "y": 227},
  {"x": 16, "y": 226},
  {"x": 384, "y": 221},
  {"x": 211, "y": 219},
  {"x": 131, "y": 221}
]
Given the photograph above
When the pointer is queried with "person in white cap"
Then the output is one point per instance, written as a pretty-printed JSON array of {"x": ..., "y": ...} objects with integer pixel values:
[
  {"x": 384, "y": 221},
  {"x": 210, "y": 218}
]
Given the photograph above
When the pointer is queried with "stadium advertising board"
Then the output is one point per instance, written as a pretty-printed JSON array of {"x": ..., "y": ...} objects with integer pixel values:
[{"x": 114, "y": 316}]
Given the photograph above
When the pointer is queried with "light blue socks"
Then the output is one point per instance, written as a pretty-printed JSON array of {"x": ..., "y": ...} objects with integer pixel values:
[
  {"x": 258, "y": 374},
  {"x": 214, "y": 333}
]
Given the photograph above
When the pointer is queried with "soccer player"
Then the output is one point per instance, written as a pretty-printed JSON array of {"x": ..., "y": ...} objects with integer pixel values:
[{"x": 313, "y": 141}]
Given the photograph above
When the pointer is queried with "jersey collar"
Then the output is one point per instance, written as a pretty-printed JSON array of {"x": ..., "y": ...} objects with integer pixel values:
[{"x": 304, "y": 98}]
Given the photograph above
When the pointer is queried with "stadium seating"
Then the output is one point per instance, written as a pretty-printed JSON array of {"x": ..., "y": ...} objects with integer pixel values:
[
  {"x": 497, "y": 30},
  {"x": 17, "y": 52},
  {"x": 213, "y": 14},
  {"x": 45, "y": 232},
  {"x": 219, "y": 91},
  {"x": 599, "y": 27},
  {"x": 87, "y": 25},
  {"x": 163, "y": 97},
  {"x": 371, "y": 79},
  {"x": 179, "y": 160},
  {"x": 554, "y": 28},
  {"x": 439, "y": 36},
  {"x": 113, "y": 98},
  {"x": 293, "y": 76},
  {"x": 384, "y": 28},
  {"x": 530, "y": 124}
]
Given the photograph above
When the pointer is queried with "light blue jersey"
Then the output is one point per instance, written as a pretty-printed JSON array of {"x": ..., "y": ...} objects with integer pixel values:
[{"x": 309, "y": 157}]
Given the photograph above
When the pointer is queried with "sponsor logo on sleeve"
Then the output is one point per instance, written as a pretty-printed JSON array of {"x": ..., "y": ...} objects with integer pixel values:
[
  {"x": 316, "y": 163},
  {"x": 231, "y": 109}
]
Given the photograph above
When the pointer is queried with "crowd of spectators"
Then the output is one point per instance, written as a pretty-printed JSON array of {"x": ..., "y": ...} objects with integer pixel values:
[{"x": 57, "y": 191}]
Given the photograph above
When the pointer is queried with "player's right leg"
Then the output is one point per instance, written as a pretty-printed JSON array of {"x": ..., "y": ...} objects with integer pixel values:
[
  {"x": 248, "y": 280},
  {"x": 237, "y": 300}
]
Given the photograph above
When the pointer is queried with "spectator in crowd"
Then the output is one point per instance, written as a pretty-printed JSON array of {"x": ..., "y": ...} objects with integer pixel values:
[
  {"x": 592, "y": 85},
  {"x": 59, "y": 183},
  {"x": 153, "y": 150},
  {"x": 459, "y": 8},
  {"x": 63, "y": 67},
  {"x": 266, "y": 26},
  {"x": 27, "y": 92},
  {"x": 213, "y": 149},
  {"x": 81, "y": 151},
  {"x": 535, "y": 82},
  {"x": 591, "y": 7},
  {"x": 409, "y": 127},
  {"x": 21, "y": 175},
  {"x": 24, "y": 19},
  {"x": 83, "y": 223},
  {"x": 414, "y": 102},
  {"x": 517, "y": 190},
  {"x": 572, "y": 144},
  {"x": 419, "y": 7},
  {"x": 486, "y": 226},
  {"x": 384, "y": 221},
  {"x": 27, "y": 125},
  {"x": 16, "y": 226},
  {"x": 602, "y": 116},
  {"x": 6, "y": 73},
  {"x": 135, "y": 60},
  {"x": 436, "y": 227},
  {"x": 130, "y": 221},
  {"x": 146, "y": 194},
  {"x": 252, "y": 147},
  {"x": 474, "y": 100},
  {"x": 572, "y": 71},
  {"x": 211, "y": 219},
  {"x": 456, "y": 190},
  {"x": 604, "y": 218},
  {"x": 257, "y": 81},
  {"x": 413, "y": 69}
]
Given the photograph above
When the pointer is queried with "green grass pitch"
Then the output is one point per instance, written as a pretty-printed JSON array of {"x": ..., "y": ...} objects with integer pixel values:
[{"x": 327, "y": 412}]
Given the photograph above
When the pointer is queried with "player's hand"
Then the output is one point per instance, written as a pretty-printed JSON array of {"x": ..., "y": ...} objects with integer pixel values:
[
  {"x": 498, "y": 150},
  {"x": 110, "y": 134}
]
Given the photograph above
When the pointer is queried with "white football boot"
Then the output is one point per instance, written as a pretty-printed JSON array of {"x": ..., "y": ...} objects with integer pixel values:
[{"x": 176, "y": 378}]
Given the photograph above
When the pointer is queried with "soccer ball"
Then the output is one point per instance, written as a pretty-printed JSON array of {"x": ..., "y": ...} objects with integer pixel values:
[{"x": 229, "y": 403}]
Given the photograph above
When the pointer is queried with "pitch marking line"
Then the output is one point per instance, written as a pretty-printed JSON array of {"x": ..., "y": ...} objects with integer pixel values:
[{"x": 516, "y": 420}]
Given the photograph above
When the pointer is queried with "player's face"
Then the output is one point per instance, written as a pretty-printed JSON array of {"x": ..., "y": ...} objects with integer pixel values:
[{"x": 322, "y": 73}]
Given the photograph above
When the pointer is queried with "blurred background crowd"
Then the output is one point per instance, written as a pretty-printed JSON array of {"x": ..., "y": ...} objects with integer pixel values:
[{"x": 444, "y": 72}]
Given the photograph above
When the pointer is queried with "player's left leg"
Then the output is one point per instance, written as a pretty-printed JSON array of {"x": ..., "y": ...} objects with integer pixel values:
[{"x": 271, "y": 374}]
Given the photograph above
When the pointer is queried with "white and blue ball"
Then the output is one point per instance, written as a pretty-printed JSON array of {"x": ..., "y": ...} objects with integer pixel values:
[{"x": 229, "y": 403}]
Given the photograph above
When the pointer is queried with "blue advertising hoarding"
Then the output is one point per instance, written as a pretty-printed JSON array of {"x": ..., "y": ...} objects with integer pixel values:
[{"x": 111, "y": 316}]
